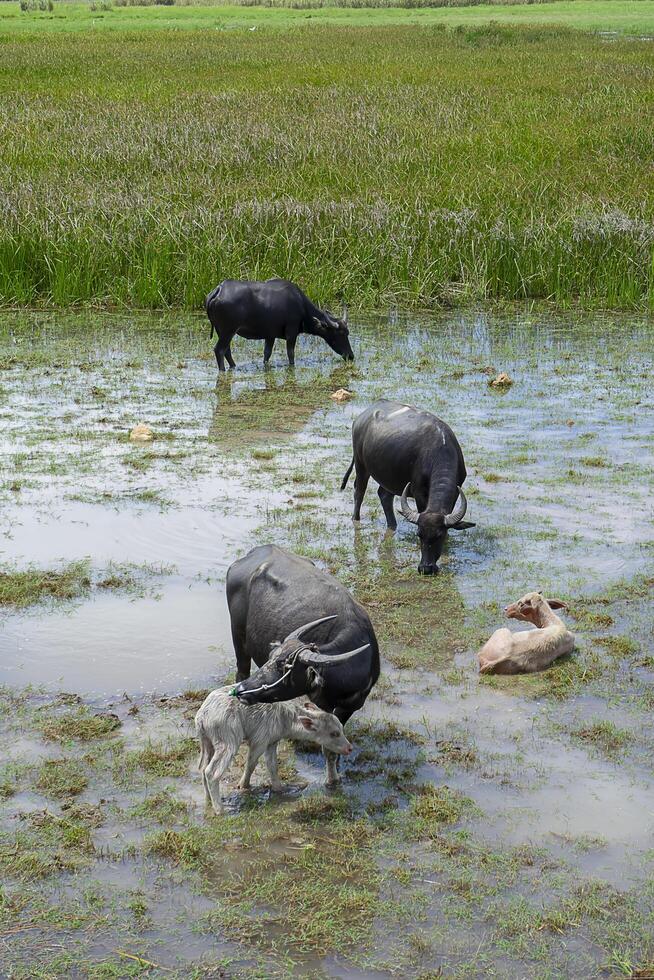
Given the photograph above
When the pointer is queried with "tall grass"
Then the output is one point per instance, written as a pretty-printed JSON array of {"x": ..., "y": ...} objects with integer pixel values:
[
  {"x": 409, "y": 164},
  {"x": 317, "y": 4}
]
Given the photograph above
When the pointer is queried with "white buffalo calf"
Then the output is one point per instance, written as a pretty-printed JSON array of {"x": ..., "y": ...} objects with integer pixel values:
[
  {"x": 223, "y": 724},
  {"x": 530, "y": 650}
]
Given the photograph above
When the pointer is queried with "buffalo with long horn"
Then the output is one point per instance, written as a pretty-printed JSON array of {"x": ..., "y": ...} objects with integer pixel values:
[
  {"x": 304, "y": 631},
  {"x": 411, "y": 453}
]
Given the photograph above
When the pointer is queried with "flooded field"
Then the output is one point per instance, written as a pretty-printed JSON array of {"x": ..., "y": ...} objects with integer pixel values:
[{"x": 498, "y": 827}]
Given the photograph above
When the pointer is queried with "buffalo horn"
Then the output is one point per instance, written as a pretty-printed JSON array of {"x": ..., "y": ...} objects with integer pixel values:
[
  {"x": 410, "y": 513},
  {"x": 459, "y": 512},
  {"x": 327, "y": 659},
  {"x": 301, "y": 630}
]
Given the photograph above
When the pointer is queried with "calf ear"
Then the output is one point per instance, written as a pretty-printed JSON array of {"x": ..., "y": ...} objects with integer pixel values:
[
  {"x": 557, "y": 604},
  {"x": 307, "y": 722},
  {"x": 462, "y": 526}
]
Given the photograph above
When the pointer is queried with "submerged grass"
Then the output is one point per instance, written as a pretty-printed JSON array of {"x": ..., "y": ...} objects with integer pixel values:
[{"x": 382, "y": 164}]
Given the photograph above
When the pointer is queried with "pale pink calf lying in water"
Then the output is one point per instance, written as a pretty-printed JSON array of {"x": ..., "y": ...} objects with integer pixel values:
[
  {"x": 223, "y": 724},
  {"x": 530, "y": 650}
]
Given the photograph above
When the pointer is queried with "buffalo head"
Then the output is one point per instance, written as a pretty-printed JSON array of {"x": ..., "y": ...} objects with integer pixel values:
[
  {"x": 335, "y": 332},
  {"x": 433, "y": 528},
  {"x": 293, "y": 669}
]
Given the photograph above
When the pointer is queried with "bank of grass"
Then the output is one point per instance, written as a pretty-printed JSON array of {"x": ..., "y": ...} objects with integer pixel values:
[{"x": 420, "y": 165}]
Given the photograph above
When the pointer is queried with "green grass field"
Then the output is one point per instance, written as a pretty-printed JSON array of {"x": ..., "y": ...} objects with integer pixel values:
[
  {"x": 632, "y": 17},
  {"x": 414, "y": 164}
]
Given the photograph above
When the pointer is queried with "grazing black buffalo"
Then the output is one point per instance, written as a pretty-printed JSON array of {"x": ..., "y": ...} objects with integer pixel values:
[
  {"x": 277, "y": 602},
  {"x": 412, "y": 453},
  {"x": 272, "y": 310}
]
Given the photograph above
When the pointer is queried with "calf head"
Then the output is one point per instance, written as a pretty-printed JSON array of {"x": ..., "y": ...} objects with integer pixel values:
[
  {"x": 294, "y": 668},
  {"x": 324, "y": 728},
  {"x": 433, "y": 527},
  {"x": 532, "y": 608},
  {"x": 334, "y": 332}
]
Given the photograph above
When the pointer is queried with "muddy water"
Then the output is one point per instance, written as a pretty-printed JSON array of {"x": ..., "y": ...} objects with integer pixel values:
[{"x": 559, "y": 486}]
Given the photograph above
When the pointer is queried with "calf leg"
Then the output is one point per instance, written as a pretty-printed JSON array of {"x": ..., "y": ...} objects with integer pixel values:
[
  {"x": 254, "y": 754},
  {"x": 271, "y": 763},
  {"x": 206, "y": 753},
  {"x": 387, "y": 499},
  {"x": 220, "y": 763},
  {"x": 267, "y": 350},
  {"x": 228, "y": 355},
  {"x": 333, "y": 775},
  {"x": 360, "y": 487}
]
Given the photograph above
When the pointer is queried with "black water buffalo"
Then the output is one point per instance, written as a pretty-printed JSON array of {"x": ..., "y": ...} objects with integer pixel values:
[
  {"x": 412, "y": 453},
  {"x": 277, "y": 603},
  {"x": 272, "y": 310}
]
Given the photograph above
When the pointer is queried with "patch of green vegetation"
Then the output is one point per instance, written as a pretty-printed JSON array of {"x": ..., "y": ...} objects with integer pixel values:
[
  {"x": 48, "y": 845},
  {"x": 25, "y": 588},
  {"x": 618, "y": 646},
  {"x": 604, "y": 735},
  {"x": 106, "y": 231},
  {"x": 494, "y": 478},
  {"x": 82, "y": 725},
  {"x": 587, "y": 619},
  {"x": 593, "y": 461},
  {"x": 164, "y": 807},
  {"x": 434, "y": 806},
  {"x": 61, "y": 778},
  {"x": 161, "y": 759},
  {"x": 419, "y": 619},
  {"x": 180, "y": 847}
]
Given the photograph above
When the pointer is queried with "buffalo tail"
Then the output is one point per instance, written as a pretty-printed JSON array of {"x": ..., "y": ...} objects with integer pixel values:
[{"x": 347, "y": 474}]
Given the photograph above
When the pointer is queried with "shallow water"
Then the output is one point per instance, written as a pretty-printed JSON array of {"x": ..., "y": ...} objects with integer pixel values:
[
  {"x": 64, "y": 425},
  {"x": 559, "y": 485}
]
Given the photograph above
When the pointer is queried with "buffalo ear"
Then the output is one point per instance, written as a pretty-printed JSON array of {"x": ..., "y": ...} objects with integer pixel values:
[
  {"x": 556, "y": 604},
  {"x": 463, "y": 526},
  {"x": 315, "y": 678}
]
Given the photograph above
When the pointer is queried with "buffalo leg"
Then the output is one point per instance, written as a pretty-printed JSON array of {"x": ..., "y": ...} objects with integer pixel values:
[
  {"x": 243, "y": 659},
  {"x": 268, "y": 349},
  {"x": 290, "y": 350},
  {"x": 360, "y": 486},
  {"x": 387, "y": 499},
  {"x": 220, "y": 357},
  {"x": 223, "y": 350}
]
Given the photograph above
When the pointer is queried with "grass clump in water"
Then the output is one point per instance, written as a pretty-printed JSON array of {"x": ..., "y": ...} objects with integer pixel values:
[
  {"x": 618, "y": 646},
  {"x": 604, "y": 735},
  {"x": 160, "y": 759},
  {"x": 61, "y": 778},
  {"x": 25, "y": 588},
  {"x": 81, "y": 725},
  {"x": 434, "y": 806}
]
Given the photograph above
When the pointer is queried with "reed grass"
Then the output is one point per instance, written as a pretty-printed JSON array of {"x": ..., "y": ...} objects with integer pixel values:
[{"x": 397, "y": 164}]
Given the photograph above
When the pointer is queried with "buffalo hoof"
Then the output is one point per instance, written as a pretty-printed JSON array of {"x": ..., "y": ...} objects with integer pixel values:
[{"x": 428, "y": 569}]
